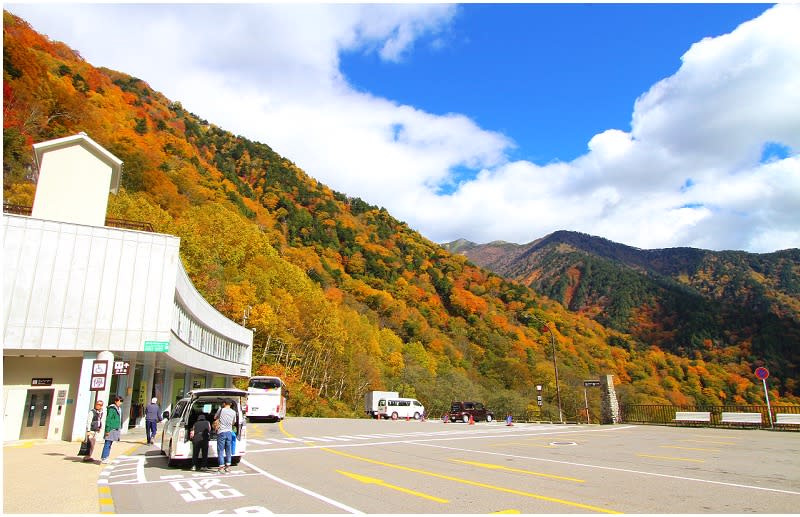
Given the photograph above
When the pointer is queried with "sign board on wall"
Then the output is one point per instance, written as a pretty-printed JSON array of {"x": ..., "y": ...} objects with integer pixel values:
[
  {"x": 42, "y": 381},
  {"x": 156, "y": 346},
  {"x": 99, "y": 369}
]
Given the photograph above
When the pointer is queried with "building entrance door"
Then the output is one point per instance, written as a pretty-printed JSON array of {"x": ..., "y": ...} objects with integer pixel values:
[{"x": 36, "y": 419}]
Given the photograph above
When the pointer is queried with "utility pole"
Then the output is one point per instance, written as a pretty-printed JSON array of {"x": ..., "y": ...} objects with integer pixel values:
[{"x": 555, "y": 367}]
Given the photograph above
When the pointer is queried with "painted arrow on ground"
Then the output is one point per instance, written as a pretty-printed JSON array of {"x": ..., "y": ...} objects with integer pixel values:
[{"x": 373, "y": 481}]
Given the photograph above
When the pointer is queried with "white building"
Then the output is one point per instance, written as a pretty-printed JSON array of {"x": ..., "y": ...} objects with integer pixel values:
[{"x": 77, "y": 292}]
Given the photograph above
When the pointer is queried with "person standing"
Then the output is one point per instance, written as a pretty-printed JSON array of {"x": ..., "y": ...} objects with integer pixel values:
[
  {"x": 94, "y": 422},
  {"x": 226, "y": 417},
  {"x": 113, "y": 426},
  {"x": 200, "y": 434},
  {"x": 152, "y": 416}
]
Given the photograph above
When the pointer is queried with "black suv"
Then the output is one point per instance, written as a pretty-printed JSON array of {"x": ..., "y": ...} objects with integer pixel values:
[{"x": 463, "y": 410}]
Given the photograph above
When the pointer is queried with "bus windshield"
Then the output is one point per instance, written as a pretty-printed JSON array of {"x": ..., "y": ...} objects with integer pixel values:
[
  {"x": 264, "y": 383},
  {"x": 266, "y": 398}
]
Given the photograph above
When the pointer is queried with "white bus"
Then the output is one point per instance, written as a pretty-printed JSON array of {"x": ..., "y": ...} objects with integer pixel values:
[
  {"x": 266, "y": 398},
  {"x": 395, "y": 408}
]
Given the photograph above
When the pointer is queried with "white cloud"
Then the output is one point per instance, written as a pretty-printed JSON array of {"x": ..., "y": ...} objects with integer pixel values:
[{"x": 687, "y": 173}]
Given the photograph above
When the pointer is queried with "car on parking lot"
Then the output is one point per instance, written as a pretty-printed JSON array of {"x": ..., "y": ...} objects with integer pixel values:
[
  {"x": 175, "y": 442},
  {"x": 462, "y": 411}
]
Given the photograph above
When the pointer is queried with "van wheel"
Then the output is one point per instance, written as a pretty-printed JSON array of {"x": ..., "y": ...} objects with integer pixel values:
[
  {"x": 465, "y": 419},
  {"x": 489, "y": 418},
  {"x": 417, "y": 416},
  {"x": 394, "y": 415}
]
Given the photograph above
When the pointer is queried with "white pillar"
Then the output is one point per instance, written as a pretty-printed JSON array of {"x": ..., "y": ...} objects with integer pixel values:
[{"x": 85, "y": 397}]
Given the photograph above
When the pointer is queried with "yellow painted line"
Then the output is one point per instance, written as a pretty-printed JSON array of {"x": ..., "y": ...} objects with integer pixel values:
[
  {"x": 373, "y": 481},
  {"x": 107, "y": 500},
  {"x": 509, "y": 469},
  {"x": 688, "y": 448},
  {"x": 104, "y": 490},
  {"x": 707, "y": 441},
  {"x": 473, "y": 483},
  {"x": 670, "y": 458}
]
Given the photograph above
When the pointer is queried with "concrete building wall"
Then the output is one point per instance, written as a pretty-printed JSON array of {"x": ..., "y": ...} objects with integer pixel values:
[
  {"x": 75, "y": 287},
  {"x": 73, "y": 186},
  {"x": 18, "y": 373},
  {"x": 76, "y": 292}
]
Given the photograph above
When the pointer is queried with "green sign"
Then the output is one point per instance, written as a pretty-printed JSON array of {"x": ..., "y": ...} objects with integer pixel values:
[{"x": 156, "y": 346}]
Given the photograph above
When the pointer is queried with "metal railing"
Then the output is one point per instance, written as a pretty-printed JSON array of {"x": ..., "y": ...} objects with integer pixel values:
[
  {"x": 665, "y": 415},
  {"x": 125, "y": 224}
]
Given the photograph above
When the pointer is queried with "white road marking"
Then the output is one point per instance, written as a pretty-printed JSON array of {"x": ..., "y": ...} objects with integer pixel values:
[
  {"x": 616, "y": 469},
  {"x": 306, "y": 491}
]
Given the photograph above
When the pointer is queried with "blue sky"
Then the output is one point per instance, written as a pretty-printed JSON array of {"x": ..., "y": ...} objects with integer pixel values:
[
  {"x": 653, "y": 125},
  {"x": 550, "y": 76}
]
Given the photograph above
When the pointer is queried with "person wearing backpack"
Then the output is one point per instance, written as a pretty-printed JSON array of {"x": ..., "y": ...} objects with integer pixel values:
[
  {"x": 113, "y": 426},
  {"x": 94, "y": 422},
  {"x": 200, "y": 434}
]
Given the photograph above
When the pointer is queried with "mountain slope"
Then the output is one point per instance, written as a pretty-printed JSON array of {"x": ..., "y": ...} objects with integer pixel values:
[
  {"x": 343, "y": 297},
  {"x": 681, "y": 299}
]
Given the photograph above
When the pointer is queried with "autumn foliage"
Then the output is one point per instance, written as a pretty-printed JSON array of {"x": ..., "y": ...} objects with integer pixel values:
[{"x": 343, "y": 298}]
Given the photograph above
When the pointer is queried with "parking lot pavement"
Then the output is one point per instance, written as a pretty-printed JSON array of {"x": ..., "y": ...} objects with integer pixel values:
[{"x": 47, "y": 476}]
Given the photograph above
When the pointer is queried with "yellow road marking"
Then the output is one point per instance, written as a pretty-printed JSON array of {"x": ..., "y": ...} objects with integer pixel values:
[
  {"x": 688, "y": 448},
  {"x": 104, "y": 490},
  {"x": 707, "y": 441},
  {"x": 380, "y": 482},
  {"x": 670, "y": 458},
  {"x": 509, "y": 469},
  {"x": 473, "y": 483}
]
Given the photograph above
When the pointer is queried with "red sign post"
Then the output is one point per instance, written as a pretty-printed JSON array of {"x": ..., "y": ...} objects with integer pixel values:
[{"x": 762, "y": 373}]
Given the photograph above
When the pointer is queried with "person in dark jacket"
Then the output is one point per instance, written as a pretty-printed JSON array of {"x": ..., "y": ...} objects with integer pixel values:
[
  {"x": 94, "y": 423},
  {"x": 200, "y": 434},
  {"x": 152, "y": 416},
  {"x": 113, "y": 426}
]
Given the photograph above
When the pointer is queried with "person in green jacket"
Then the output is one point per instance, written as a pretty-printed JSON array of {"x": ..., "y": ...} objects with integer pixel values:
[{"x": 113, "y": 426}]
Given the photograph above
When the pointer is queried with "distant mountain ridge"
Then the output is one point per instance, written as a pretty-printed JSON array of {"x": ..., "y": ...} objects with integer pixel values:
[{"x": 680, "y": 298}]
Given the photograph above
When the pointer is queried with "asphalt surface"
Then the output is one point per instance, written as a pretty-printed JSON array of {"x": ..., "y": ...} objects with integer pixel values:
[
  {"x": 47, "y": 476},
  {"x": 322, "y": 466}
]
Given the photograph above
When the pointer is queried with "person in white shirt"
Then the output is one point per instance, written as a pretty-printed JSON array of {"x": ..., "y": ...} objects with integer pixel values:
[{"x": 226, "y": 418}]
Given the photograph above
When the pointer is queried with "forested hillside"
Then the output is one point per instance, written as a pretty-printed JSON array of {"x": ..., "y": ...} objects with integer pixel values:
[
  {"x": 683, "y": 299},
  {"x": 343, "y": 297}
]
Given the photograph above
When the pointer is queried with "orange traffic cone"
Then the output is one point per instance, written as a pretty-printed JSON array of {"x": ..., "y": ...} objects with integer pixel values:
[{"x": 471, "y": 420}]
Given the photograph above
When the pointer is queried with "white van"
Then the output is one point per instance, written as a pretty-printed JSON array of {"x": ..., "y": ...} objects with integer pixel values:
[
  {"x": 175, "y": 443},
  {"x": 395, "y": 408}
]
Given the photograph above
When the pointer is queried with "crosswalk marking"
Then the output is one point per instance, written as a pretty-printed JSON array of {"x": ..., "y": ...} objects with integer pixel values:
[{"x": 356, "y": 437}]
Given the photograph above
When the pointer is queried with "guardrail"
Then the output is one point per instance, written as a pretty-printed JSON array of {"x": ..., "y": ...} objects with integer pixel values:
[
  {"x": 125, "y": 224},
  {"x": 719, "y": 416}
]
